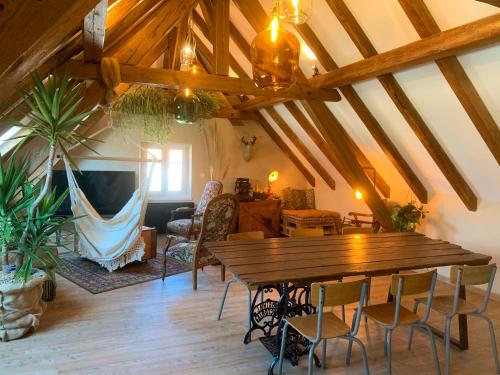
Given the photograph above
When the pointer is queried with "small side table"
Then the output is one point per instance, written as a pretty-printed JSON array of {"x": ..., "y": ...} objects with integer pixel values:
[
  {"x": 149, "y": 236},
  {"x": 260, "y": 215}
]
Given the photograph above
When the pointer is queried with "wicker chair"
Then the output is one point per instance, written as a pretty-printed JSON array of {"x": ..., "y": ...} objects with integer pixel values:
[
  {"x": 189, "y": 227},
  {"x": 219, "y": 221}
]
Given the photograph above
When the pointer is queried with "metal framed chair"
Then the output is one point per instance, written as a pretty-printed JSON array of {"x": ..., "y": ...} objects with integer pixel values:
[
  {"x": 257, "y": 235},
  {"x": 220, "y": 218},
  {"x": 326, "y": 325},
  {"x": 393, "y": 314},
  {"x": 307, "y": 232},
  {"x": 452, "y": 305}
]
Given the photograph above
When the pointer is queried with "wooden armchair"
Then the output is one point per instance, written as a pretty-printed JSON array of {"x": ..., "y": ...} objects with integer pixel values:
[{"x": 189, "y": 227}]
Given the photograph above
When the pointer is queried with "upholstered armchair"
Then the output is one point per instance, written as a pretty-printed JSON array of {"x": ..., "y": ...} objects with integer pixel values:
[
  {"x": 189, "y": 227},
  {"x": 219, "y": 220}
]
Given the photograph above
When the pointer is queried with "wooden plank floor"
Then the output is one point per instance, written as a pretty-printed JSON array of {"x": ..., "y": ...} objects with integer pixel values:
[{"x": 156, "y": 328}]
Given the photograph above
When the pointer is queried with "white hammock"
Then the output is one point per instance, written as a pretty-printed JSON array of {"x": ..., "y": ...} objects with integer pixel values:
[{"x": 114, "y": 242}]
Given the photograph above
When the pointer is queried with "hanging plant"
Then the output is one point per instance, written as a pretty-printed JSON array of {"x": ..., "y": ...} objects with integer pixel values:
[
  {"x": 152, "y": 108},
  {"x": 406, "y": 218}
]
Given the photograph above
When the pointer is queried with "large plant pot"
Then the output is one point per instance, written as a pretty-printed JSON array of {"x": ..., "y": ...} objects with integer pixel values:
[{"x": 21, "y": 306}]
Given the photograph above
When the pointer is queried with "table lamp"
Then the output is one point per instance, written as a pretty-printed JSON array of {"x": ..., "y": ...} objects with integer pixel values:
[{"x": 273, "y": 176}]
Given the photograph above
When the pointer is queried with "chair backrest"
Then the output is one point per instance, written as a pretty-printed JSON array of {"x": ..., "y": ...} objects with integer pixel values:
[
  {"x": 472, "y": 275},
  {"x": 212, "y": 189},
  {"x": 414, "y": 283},
  {"x": 257, "y": 235},
  {"x": 307, "y": 232},
  {"x": 357, "y": 230},
  {"x": 219, "y": 218},
  {"x": 337, "y": 294}
]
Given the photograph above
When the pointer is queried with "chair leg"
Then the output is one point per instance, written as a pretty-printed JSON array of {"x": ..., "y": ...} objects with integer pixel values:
[
  {"x": 282, "y": 349},
  {"x": 493, "y": 342},
  {"x": 167, "y": 246},
  {"x": 363, "y": 354},
  {"x": 434, "y": 350},
  {"x": 349, "y": 346},
  {"x": 388, "y": 335},
  {"x": 222, "y": 273},
  {"x": 447, "y": 333},
  {"x": 223, "y": 300},
  {"x": 249, "y": 313},
  {"x": 412, "y": 328},
  {"x": 195, "y": 278},
  {"x": 310, "y": 363},
  {"x": 323, "y": 355},
  {"x": 367, "y": 300}
]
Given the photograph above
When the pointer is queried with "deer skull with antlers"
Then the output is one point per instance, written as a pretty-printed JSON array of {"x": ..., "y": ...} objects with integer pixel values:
[{"x": 248, "y": 143}]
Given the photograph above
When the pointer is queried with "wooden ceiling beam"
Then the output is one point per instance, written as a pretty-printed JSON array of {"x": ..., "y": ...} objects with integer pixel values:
[
  {"x": 459, "y": 81},
  {"x": 94, "y": 28},
  {"x": 303, "y": 149},
  {"x": 371, "y": 123},
  {"x": 221, "y": 36},
  {"x": 495, "y": 3},
  {"x": 284, "y": 147},
  {"x": 482, "y": 32},
  {"x": 350, "y": 169},
  {"x": 180, "y": 39},
  {"x": 169, "y": 54},
  {"x": 175, "y": 79},
  {"x": 406, "y": 107},
  {"x": 26, "y": 47}
]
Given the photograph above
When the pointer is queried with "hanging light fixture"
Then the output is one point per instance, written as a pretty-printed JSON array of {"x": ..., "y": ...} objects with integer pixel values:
[
  {"x": 186, "y": 107},
  {"x": 295, "y": 11},
  {"x": 186, "y": 104},
  {"x": 275, "y": 56}
]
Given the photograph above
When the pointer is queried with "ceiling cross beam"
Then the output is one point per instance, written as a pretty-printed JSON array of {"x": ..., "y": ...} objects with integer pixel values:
[
  {"x": 459, "y": 81},
  {"x": 220, "y": 39},
  {"x": 406, "y": 107}
]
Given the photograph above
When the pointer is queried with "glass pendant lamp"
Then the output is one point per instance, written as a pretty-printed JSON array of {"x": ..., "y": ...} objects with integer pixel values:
[
  {"x": 187, "y": 53},
  {"x": 295, "y": 11},
  {"x": 275, "y": 56},
  {"x": 186, "y": 107}
]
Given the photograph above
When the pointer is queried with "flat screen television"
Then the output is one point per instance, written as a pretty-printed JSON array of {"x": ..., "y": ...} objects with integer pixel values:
[{"x": 107, "y": 191}]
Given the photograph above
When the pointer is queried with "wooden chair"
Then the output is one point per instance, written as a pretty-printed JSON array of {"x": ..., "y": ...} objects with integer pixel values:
[
  {"x": 452, "y": 305},
  {"x": 307, "y": 232},
  {"x": 258, "y": 235},
  {"x": 219, "y": 221},
  {"x": 393, "y": 314},
  {"x": 326, "y": 325}
]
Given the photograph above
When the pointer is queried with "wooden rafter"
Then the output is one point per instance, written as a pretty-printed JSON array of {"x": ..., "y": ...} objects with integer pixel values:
[
  {"x": 180, "y": 39},
  {"x": 221, "y": 36},
  {"x": 94, "y": 28},
  {"x": 406, "y": 107},
  {"x": 169, "y": 54},
  {"x": 303, "y": 149},
  {"x": 50, "y": 23},
  {"x": 175, "y": 79},
  {"x": 495, "y": 3},
  {"x": 472, "y": 35},
  {"x": 371, "y": 123},
  {"x": 459, "y": 81},
  {"x": 322, "y": 116}
]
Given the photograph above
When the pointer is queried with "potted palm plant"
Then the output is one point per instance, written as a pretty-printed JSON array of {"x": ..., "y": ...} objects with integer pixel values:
[{"x": 27, "y": 207}]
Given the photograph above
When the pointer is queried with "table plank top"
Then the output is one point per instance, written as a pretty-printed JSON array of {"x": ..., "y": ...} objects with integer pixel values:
[{"x": 310, "y": 259}]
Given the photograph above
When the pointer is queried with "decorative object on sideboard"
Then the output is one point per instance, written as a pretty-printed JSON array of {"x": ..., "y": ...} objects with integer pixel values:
[
  {"x": 242, "y": 187},
  {"x": 248, "y": 143}
]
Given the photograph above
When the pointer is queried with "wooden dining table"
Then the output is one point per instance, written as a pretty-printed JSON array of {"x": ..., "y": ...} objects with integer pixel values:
[{"x": 289, "y": 265}]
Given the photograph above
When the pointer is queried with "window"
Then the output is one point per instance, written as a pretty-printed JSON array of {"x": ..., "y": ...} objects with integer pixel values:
[{"x": 171, "y": 174}]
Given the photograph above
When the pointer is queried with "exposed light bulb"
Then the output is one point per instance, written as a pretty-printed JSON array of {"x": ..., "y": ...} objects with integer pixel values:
[
  {"x": 358, "y": 195},
  {"x": 274, "y": 28}
]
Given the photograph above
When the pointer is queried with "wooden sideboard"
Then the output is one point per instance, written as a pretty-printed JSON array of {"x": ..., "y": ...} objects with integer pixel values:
[{"x": 260, "y": 215}]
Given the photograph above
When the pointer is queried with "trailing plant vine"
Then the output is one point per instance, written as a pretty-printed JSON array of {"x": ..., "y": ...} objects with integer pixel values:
[{"x": 152, "y": 109}]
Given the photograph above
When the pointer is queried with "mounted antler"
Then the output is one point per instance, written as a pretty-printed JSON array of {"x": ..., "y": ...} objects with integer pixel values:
[{"x": 248, "y": 143}]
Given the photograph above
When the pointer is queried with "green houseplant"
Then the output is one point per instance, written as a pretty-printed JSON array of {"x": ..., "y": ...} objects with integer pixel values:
[
  {"x": 28, "y": 208},
  {"x": 405, "y": 218}
]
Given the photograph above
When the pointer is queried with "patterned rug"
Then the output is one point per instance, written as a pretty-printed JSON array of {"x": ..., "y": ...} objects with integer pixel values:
[{"x": 96, "y": 279}]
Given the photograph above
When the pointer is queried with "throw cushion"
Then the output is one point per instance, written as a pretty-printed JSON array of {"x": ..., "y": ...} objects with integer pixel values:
[
  {"x": 294, "y": 199},
  {"x": 182, "y": 226}
]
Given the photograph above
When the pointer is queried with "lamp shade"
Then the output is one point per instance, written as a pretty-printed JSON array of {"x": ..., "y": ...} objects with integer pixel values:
[
  {"x": 295, "y": 11},
  {"x": 186, "y": 107},
  {"x": 275, "y": 57}
]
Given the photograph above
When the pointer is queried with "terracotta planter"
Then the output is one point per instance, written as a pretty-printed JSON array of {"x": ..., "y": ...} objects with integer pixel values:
[{"x": 21, "y": 306}]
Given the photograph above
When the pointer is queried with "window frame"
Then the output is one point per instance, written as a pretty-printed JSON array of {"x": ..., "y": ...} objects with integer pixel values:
[{"x": 185, "y": 194}]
